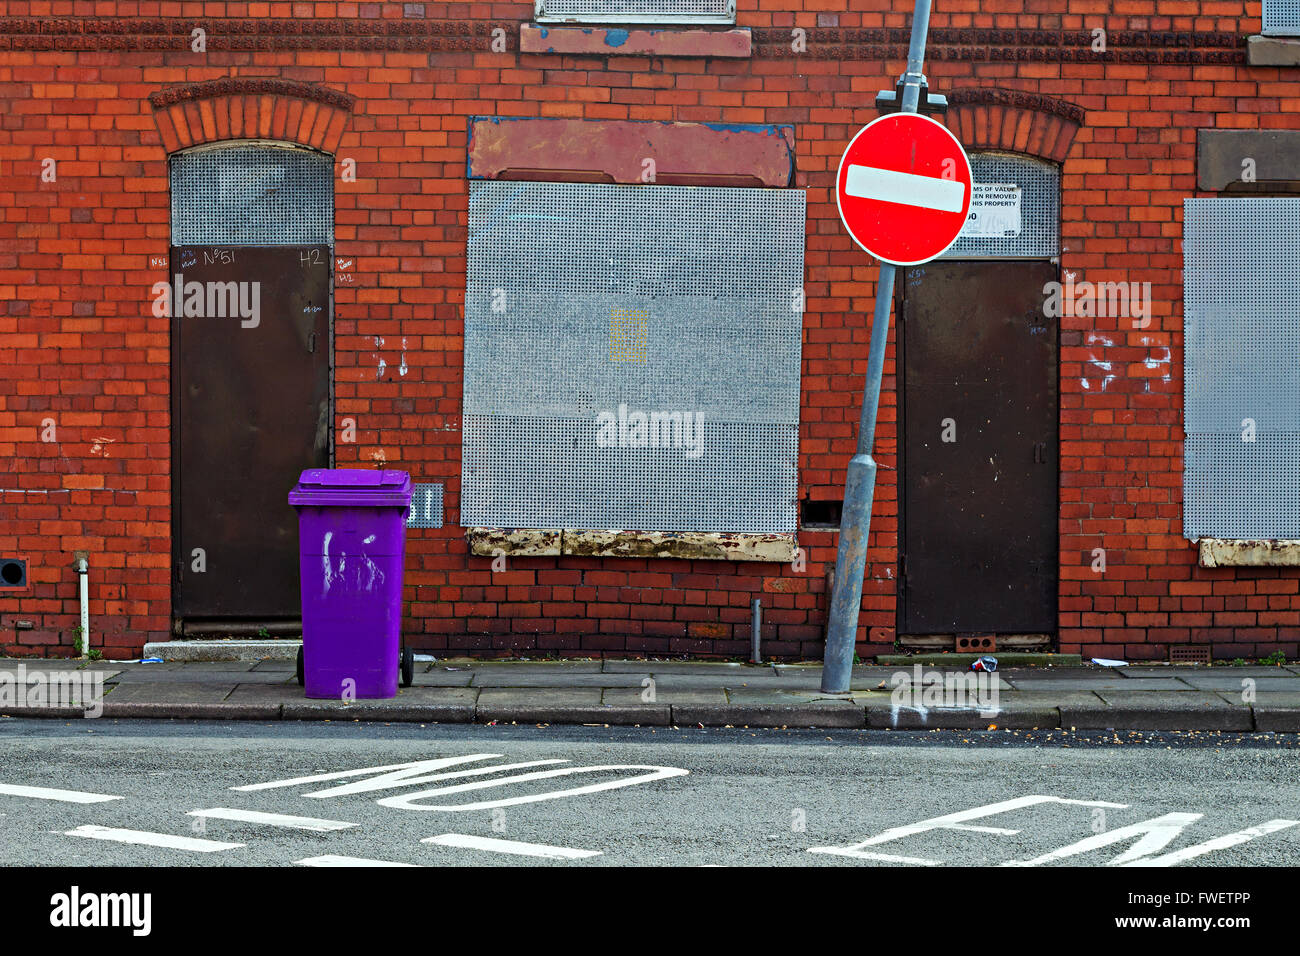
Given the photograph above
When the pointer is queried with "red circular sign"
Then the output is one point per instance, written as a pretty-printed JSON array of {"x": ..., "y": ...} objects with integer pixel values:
[{"x": 904, "y": 188}]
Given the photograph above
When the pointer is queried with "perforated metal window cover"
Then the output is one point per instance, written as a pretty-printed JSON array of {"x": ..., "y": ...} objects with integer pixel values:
[
  {"x": 1040, "y": 209},
  {"x": 252, "y": 194},
  {"x": 635, "y": 11},
  {"x": 426, "y": 506},
  {"x": 1241, "y": 361},
  {"x": 715, "y": 272},
  {"x": 1282, "y": 18}
]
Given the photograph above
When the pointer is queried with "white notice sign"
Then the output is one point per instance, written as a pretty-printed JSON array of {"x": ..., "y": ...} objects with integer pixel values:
[{"x": 994, "y": 211}]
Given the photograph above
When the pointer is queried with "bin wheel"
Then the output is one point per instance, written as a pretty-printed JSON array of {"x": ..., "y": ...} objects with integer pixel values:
[
  {"x": 408, "y": 667},
  {"x": 300, "y": 675}
]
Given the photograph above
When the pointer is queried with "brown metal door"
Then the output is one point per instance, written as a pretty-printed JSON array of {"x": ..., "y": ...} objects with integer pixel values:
[
  {"x": 251, "y": 397},
  {"x": 979, "y": 464}
]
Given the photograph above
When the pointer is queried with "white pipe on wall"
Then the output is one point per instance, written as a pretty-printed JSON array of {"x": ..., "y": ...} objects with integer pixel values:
[{"x": 83, "y": 573}]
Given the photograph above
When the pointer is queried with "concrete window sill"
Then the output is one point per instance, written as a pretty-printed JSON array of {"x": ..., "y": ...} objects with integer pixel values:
[
  {"x": 634, "y": 41},
  {"x": 1224, "y": 553},
  {"x": 689, "y": 545},
  {"x": 1273, "y": 51}
]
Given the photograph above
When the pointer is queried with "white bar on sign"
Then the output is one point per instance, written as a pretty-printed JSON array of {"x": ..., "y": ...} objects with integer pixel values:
[
  {"x": 908, "y": 189},
  {"x": 272, "y": 819},
  {"x": 51, "y": 793},
  {"x": 147, "y": 838},
  {"x": 509, "y": 846}
]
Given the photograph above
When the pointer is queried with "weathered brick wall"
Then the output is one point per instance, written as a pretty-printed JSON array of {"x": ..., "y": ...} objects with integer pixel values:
[{"x": 381, "y": 85}]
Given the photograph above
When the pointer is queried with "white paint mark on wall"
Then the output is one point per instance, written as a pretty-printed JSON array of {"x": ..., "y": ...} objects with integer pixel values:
[
  {"x": 53, "y": 793},
  {"x": 513, "y": 847},
  {"x": 147, "y": 838}
]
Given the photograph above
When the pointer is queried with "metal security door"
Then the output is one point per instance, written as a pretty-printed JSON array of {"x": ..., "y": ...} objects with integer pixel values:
[
  {"x": 250, "y": 366},
  {"x": 979, "y": 435}
]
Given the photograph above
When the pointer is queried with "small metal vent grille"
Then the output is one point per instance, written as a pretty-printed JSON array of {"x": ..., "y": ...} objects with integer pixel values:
[
  {"x": 1034, "y": 226},
  {"x": 636, "y": 11},
  {"x": 1241, "y": 368},
  {"x": 632, "y": 357},
  {"x": 426, "y": 506},
  {"x": 252, "y": 195},
  {"x": 1282, "y": 18}
]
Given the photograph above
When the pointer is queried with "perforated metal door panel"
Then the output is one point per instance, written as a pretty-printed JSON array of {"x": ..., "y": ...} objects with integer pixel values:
[
  {"x": 1038, "y": 233},
  {"x": 252, "y": 195},
  {"x": 1241, "y": 368},
  {"x": 1282, "y": 18},
  {"x": 587, "y": 305},
  {"x": 636, "y": 11}
]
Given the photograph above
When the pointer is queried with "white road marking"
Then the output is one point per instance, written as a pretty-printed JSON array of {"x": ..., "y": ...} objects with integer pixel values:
[
  {"x": 273, "y": 819},
  {"x": 1218, "y": 843},
  {"x": 515, "y": 847},
  {"x": 973, "y": 828},
  {"x": 947, "y": 822},
  {"x": 331, "y": 860},
  {"x": 51, "y": 793},
  {"x": 407, "y": 801},
  {"x": 147, "y": 838},
  {"x": 393, "y": 776},
  {"x": 906, "y": 189}
]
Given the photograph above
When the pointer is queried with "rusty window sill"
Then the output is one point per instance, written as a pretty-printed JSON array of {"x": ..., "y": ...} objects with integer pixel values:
[
  {"x": 1226, "y": 553},
  {"x": 635, "y": 41},
  {"x": 691, "y": 545}
]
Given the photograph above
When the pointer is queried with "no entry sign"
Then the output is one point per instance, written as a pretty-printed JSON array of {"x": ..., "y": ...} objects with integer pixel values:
[{"x": 904, "y": 188}]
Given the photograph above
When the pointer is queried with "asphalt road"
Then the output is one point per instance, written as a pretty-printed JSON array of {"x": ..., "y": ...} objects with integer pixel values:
[{"x": 746, "y": 797}]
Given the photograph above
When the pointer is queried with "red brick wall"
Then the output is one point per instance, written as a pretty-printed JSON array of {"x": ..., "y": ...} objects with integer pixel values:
[{"x": 79, "y": 344}]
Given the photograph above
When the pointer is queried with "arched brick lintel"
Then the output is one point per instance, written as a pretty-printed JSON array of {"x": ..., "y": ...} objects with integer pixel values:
[
  {"x": 1014, "y": 121},
  {"x": 251, "y": 108}
]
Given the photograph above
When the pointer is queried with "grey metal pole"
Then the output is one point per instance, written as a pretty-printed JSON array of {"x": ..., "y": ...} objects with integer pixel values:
[{"x": 860, "y": 484}]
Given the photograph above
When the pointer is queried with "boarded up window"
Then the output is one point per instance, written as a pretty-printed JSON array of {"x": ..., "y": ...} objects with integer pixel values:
[
  {"x": 632, "y": 357},
  {"x": 1282, "y": 18},
  {"x": 1241, "y": 468}
]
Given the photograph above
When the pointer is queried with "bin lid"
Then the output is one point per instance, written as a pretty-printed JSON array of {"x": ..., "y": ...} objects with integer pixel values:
[{"x": 350, "y": 487}]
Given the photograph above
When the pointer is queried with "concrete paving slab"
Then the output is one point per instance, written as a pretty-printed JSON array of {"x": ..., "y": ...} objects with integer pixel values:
[
  {"x": 139, "y": 677},
  {"x": 631, "y": 696},
  {"x": 720, "y": 668},
  {"x": 1150, "y": 710},
  {"x": 535, "y": 679},
  {"x": 837, "y": 714},
  {"x": 525, "y": 667},
  {"x": 172, "y": 692},
  {"x": 289, "y": 666},
  {"x": 1008, "y": 716},
  {"x": 1234, "y": 683},
  {"x": 438, "y": 677},
  {"x": 1130, "y": 684},
  {"x": 539, "y": 696},
  {"x": 443, "y": 705}
]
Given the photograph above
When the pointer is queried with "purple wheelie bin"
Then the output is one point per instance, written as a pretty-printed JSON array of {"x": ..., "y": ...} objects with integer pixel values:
[{"x": 352, "y": 542}]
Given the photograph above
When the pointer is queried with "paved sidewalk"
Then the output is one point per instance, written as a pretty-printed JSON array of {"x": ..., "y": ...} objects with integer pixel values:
[{"x": 674, "y": 693}]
